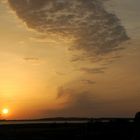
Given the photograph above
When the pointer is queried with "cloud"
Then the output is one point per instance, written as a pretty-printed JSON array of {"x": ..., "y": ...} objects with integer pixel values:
[
  {"x": 63, "y": 92},
  {"x": 31, "y": 59},
  {"x": 94, "y": 30},
  {"x": 86, "y": 103},
  {"x": 93, "y": 70},
  {"x": 88, "y": 81},
  {"x": 75, "y": 102}
]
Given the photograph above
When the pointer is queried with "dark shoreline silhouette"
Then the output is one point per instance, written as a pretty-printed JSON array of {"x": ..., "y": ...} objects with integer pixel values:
[
  {"x": 74, "y": 119},
  {"x": 96, "y": 129}
]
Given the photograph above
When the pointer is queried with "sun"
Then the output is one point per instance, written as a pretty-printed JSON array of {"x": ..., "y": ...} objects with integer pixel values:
[{"x": 5, "y": 111}]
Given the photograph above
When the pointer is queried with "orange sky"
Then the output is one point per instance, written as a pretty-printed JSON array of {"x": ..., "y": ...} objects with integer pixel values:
[{"x": 61, "y": 66}]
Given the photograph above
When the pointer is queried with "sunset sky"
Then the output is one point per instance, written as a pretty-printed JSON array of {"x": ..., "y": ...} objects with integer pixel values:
[{"x": 69, "y": 58}]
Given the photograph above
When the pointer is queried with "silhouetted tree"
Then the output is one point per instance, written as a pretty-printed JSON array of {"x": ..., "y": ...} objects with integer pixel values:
[{"x": 137, "y": 126}]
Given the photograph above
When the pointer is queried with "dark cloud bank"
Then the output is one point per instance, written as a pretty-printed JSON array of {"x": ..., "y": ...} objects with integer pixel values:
[{"x": 96, "y": 32}]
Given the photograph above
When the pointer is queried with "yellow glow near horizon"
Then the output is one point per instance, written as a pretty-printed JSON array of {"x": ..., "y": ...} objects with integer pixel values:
[{"x": 5, "y": 111}]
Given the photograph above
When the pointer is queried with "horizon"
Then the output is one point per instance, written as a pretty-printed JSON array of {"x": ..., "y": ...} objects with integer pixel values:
[
  {"x": 71, "y": 119},
  {"x": 69, "y": 58}
]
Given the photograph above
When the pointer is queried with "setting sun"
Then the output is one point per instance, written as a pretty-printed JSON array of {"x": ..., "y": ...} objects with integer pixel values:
[{"x": 5, "y": 111}]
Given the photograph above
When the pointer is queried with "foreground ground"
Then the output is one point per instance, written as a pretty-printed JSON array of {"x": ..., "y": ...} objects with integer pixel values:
[{"x": 68, "y": 131}]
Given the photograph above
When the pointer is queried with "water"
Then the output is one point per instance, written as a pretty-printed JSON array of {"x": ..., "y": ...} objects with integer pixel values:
[
  {"x": 49, "y": 122},
  {"x": 38, "y": 122}
]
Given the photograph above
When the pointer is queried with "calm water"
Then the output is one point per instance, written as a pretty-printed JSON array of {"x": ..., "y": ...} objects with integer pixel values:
[
  {"x": 43, "y": 121},
  {"x": 38, "y": 122}
]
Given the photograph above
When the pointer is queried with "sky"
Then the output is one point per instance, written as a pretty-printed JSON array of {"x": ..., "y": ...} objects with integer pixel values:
[{"x": 61, "y": 58}]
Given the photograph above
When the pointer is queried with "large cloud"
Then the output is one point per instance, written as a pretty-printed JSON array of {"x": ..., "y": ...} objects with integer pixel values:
[
  {"x": 75, "y": 102},
  {"x": 94, "y": 30}
]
